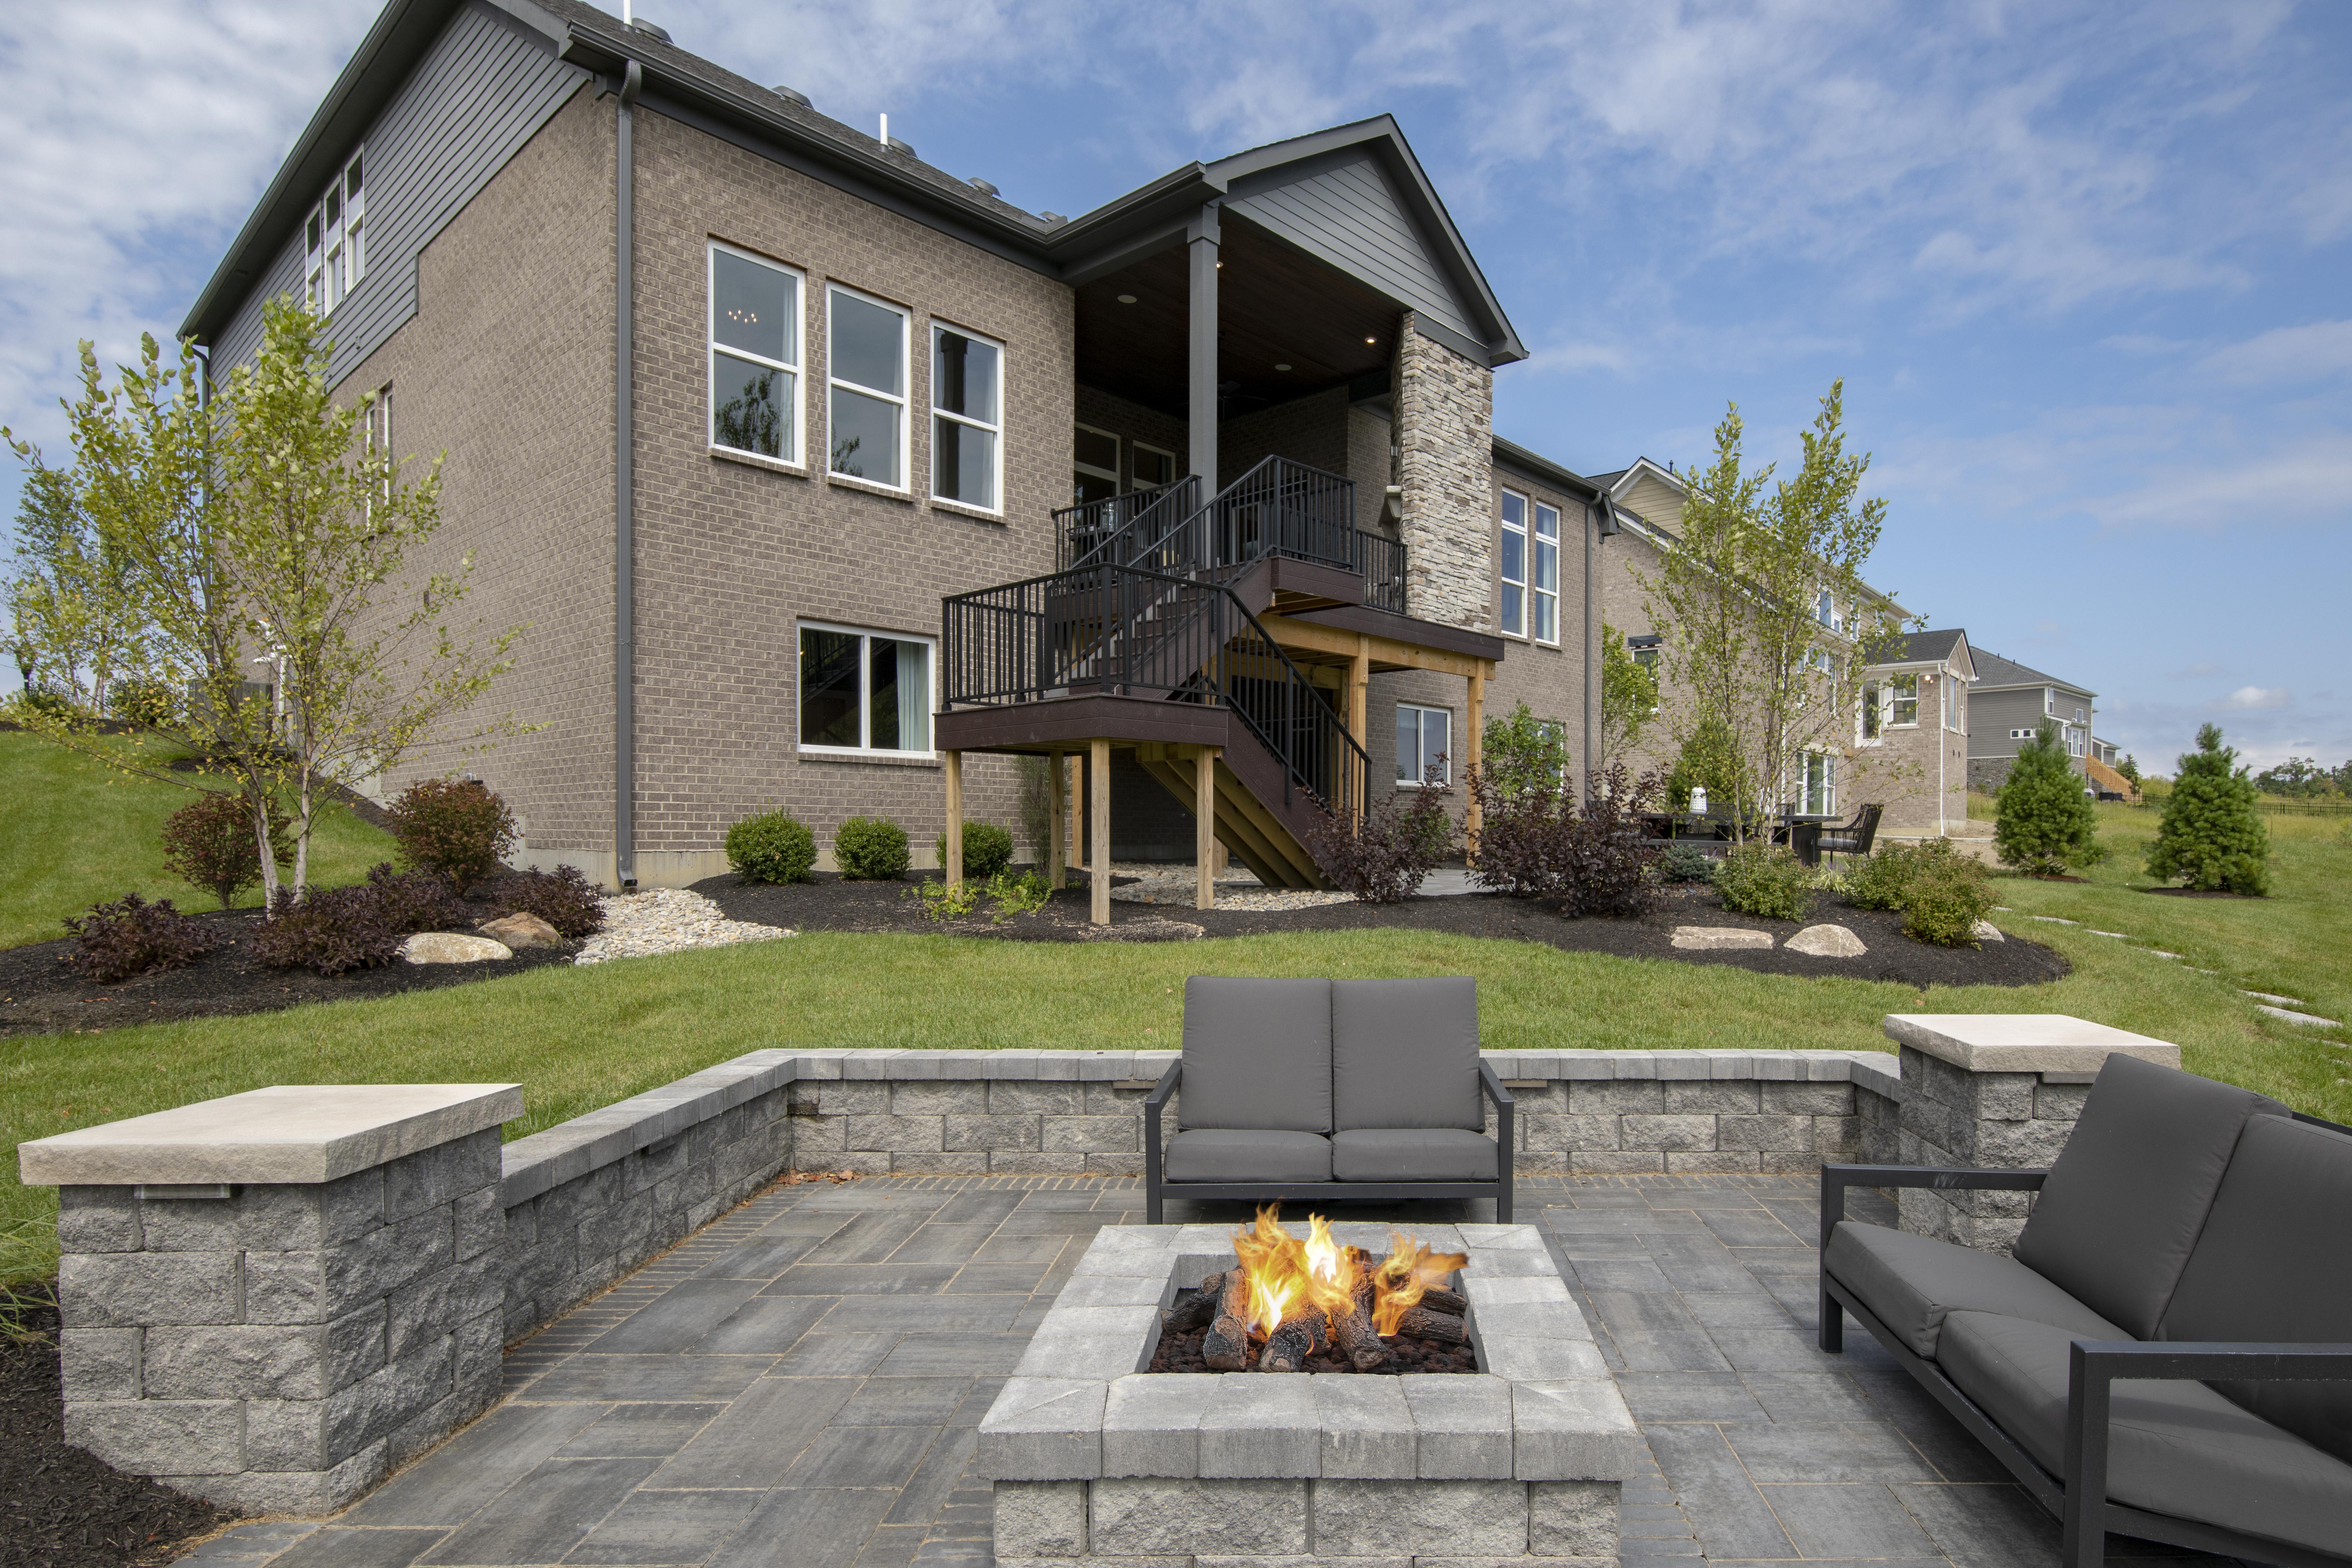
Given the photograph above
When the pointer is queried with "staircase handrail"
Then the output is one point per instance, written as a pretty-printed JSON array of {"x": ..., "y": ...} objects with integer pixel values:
[{"x": 1147, "y": 517}]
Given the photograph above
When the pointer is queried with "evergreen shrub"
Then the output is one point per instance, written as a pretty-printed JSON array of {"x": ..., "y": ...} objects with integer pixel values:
[
  {"x": 455, "y": 828},
  {"x": 768, "y": 847},
  {"x": 987, "y": 849},
  {"x": 1765, "y": 880},
  {"x": 1685, "y": 862},
  {"x": 870, "y": 849},
  {"x": 2211, "y": 837},
  {"x": 2043, "y": 822}
]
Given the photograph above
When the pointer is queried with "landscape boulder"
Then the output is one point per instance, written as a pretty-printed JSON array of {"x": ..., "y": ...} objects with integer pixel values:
[
  {"x": 452, "y": 947},
  {"x": 1826, "y": 941},
  {"x": 522, "y": 929},
  {"x": 1717, "y": 938},
  {"x": 1985, "y": 931}
]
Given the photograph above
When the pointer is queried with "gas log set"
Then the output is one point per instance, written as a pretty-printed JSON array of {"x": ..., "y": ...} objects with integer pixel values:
[{"x": 1318, "y": 1306}]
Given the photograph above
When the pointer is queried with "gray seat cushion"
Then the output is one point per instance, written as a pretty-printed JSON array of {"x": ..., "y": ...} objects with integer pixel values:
[
  {"x": 1257, "y": 1054},
  {"x": 2175, "y": 1448},
  {"x": 2124, "y": 1201},
  {"x": 1404, "y": 1053},
  {"x": 1411, "y": 1154},
  {"x": 2274, "y": 1265},
  {"x": 1910, "y": 1282},
  {"x": 1245, "y": 1154}
]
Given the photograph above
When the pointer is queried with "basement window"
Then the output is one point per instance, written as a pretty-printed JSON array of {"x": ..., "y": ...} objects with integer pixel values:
[
  {"x": 1424, "y": 738},
  {"x": 866, "y": 346},
  {"x": 865, "y": 693},
  {"x": 755, "y": 355}
]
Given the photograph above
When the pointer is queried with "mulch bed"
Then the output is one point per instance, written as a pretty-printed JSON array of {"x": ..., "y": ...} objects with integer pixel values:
[
  {"x": 40, "y": 993},
  {"x": 60, "y": 1508},
  {"x": 829, "y": 903},
  {"x": 1411, "y": 1352}
]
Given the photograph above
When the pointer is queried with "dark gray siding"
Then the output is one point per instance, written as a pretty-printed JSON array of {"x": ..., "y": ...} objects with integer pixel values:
[
  {"x": 1993, "y": 715},
  {"x": 1345, "y": 213},
  {"x": 481, "y": 91}
]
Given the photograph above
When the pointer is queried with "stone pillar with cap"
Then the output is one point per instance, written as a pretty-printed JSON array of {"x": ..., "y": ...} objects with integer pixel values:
[
  {"x": 270, "y": 1300},
  {"x": 1997, "y": 1091}
]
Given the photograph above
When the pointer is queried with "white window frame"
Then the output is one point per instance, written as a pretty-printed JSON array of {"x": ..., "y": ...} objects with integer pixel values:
[
  {"x": 336, "y": 264},
  {"x": 795, "y": 338},
  {"x": 866, "y": 636},
  {"x": 1951, "y": 686},
  {"x": 376, "y": 434},
  {"x": 996, "y": 484},
  {"x": 1090, "y": 469},
  {"x": 1537, "y": 543},
  {"x": 1826, "y": 805},
  {"x": 1895, "y": 700},
  {"x": 903, "y": 399},
  {"x": 1652, "y": 657},
  {"x": 1870, "y": 729},
  {"x": 1135, "y": 447},
  {"x": 1505, "y": 581},
  {"x": 1421, "y": 759}
]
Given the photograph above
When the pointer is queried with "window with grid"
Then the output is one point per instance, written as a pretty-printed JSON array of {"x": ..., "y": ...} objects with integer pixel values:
[
  {"x": 1821, "y": 785},
  {"x": 865, "y": 691},
  {"x": 1513, "y": 605},
  {"x": 967, "y": 418},
  {"x": 1543, "y": 587},
  {"x": 1424, "y": 740},
  {"x": 755, "y": 355},
  {"x": 334, "y": 252},
  {"x": 1902, "y": 700},
  {"x": 866, "y": 344}
]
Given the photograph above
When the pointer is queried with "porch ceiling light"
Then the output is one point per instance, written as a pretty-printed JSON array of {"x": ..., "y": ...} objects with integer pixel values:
[
  {"x": 1127, "y": 299},
  {"x": 1371, "y": 339},
  {"x": 1282, "y": 367}
]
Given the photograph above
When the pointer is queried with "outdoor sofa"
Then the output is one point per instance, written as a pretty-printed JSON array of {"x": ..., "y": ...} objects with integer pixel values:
[
  {"x": 1328, "y": 1090},
  {"x": 2154, "y": 1358}
]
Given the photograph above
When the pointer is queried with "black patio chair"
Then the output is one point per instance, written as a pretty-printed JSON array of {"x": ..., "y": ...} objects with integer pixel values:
[{"x": 1854, "y": 837}]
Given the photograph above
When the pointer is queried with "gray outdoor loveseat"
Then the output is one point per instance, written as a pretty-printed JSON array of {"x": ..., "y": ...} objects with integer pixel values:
[
  {"x": 2165, "y": 1355},
  {"x": 1329, "y": 1089}
]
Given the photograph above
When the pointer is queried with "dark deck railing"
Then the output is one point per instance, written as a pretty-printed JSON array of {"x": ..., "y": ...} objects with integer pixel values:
[{"x": 1123, "y": 529}]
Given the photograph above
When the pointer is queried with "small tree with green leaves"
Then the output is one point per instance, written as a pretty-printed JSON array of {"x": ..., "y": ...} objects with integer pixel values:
[
  {"x": 2129, "y": 768},
  {"x": 2043, "y": 823},
  {"x": 1523, "y": 754},
  {"x": 2212, "y": 836},
  {"x": 1709, "y": 760},
  {"x": 1629, "y": 697}
]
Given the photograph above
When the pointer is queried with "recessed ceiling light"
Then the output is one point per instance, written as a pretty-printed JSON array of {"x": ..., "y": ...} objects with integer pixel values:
[
  {"x": 1127, "y": 299},
  {"x": 1282, "y": 367},
  {"x": 1370, "y": 339}
]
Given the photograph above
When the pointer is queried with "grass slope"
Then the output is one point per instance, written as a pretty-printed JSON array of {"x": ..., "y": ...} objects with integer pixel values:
[{"x": 73, "y": 833}]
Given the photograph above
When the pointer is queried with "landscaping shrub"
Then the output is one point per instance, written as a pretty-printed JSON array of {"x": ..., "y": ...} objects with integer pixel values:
[
  {"x": 209, "y": 843},
  {"x": 115, "y": 941},
  {"x": 2043, "y": 823},
  {"x": 562, "y": 898},
  {"x": 2212, "y": 836},
  {"x": 1592, "y": 859},
  {"x": 1947, "y": 896},
  {"x": 1708, "y": 757},
  {"x": 331, "y": 931},
  {"x": 455, "y": 828},
  {"x": 1524, "y": 754},
  {"x": 1023, "y": 895},
  {"x": 144, "y": 702},
  {"x": 1385, "y": 858},
  {"x": 1879, "y": 881},
  {"x": 987, "y": 849},
  {"x": 1685, "y": 862},
  {"x": 870, "y": 849},
  {"x": 1766, "y": 880},
  {"x": 770, "y": 848},
  {"x": 411, "y": 902}
]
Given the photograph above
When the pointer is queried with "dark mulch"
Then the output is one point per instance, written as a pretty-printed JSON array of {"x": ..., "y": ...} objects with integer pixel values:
[
  {"x": 1409, "y": 1352},
  {"x": 41, "y": 993},
  {"x": 60, "y": 1508},
  {"x": 828, "y": 903}
]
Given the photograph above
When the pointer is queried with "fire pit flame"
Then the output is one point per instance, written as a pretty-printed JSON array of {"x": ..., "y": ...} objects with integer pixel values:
[{"x": 1294, "y": 1297}]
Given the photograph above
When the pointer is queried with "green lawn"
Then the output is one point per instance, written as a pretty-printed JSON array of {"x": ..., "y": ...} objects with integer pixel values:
[{"x": 74, "y": 833}]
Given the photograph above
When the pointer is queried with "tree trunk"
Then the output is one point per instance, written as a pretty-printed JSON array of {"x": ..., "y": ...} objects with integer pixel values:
[
  {"x": 1225, "y": 1347},
  {"x": 1353, "y": 1329},
  {"x": 1294, "y": 1340},
  {"x": 257, "y": 799}
]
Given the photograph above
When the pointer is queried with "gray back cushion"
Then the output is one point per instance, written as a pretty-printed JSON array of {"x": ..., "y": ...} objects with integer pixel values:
[
  {"x": 2125, "y": 1199},
  {"x": 1404, "y": 1053},
  {"x": 1257, "y": 1054},
  {"x": 2274, "y": 1264}
]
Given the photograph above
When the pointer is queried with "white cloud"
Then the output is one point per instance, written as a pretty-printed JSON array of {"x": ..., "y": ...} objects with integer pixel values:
[
  {"x": 2286, "y": 353},
  {"x": 2256, "y": 697}
]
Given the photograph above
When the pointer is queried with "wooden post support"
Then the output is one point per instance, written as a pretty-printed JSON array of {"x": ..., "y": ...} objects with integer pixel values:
[
  {"x": 1056, "y": 776},
  {"x": 1204, "y": 825},
  {"x": 1098, "y": 828},
  {"x": 1473, "y": 749},
  {"x": 954, "y": 867}
]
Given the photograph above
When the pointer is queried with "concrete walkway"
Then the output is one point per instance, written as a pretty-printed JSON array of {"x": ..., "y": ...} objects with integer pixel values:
[{"x": 798, "y": 1386}]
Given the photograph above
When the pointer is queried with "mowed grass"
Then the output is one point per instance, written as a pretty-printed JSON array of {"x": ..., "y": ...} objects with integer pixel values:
[{"x": 74, "y": 833}]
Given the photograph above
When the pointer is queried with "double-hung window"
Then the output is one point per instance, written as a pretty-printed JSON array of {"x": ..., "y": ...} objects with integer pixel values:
[
  {"x": 865, "y": 691},
  {"x": 1951, "y": 703},
  {"x": 967, "y": 418},
  {"x": 375, "y": 435},
  {"x": 1515, "y": 565},
  {"x": 865, "y": 348},
  {"x": 1424, "y": 740},
  {"x": 755, "y": 355},
  {"x": 1544, "y": 587},
  {"x": 1871, "y": 718},
  {"x": 1821, "y": 785},
  {"x": 1903, "y": 693},
  {"x": 334, "y": 252}
]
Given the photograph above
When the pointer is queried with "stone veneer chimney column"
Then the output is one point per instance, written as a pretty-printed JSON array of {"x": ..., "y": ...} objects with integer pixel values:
[{"x": 1445, "y": 465}]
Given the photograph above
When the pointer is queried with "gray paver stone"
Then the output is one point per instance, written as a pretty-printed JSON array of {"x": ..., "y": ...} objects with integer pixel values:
[
  {"x": 1041, "y": 1519},
  {"x": 1379, "y": 1518},
  {"x": 1152, "y": 1424},
  {"x": 1368, "y": 1430},
  {"x": 1258, "y": 1424},
  {"x": 1042, "y": 1428},
  {"x": 1155, "y": 1517},
  {"x": 1572, "y": 1519},
  {"x": 99, "y": 1364},
  {"x": 1574, "y": 1429},
  {"x": 1463, "y": 1425}
]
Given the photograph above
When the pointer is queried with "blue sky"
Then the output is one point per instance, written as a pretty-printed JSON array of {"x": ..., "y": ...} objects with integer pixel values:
[{"x": 2084, "y": 268}]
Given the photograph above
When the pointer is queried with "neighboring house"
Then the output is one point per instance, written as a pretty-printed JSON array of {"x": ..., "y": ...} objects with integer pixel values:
[
  {"x": 2010, "y": 702},
  {"x": 1911, "y": 741},
  {"x": 2104, "y": 776},
  {"x": 771, "y": 432}
]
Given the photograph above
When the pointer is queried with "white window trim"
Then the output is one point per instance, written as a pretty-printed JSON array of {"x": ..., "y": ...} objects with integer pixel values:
[
  {"x": 797, "y": 336},
  {"x": 1533, "y": 539},
  {"x": 1135, "y": 447},
  {"x": 1420, "y": 778},
  {"x": 336, "y": 247},
  {"x": 997, "y": 429},
  {"x": 1111, "y": 473},
  {"x": 866, "y": 636},
  {"x": 1525, "y": 531},
  {"x": 1891, "y": 721},
  {"x": 904, "y": 400}
]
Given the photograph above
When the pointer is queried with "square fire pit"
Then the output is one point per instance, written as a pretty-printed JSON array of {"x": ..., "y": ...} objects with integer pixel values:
[{"x": 1093, "y": 1458}]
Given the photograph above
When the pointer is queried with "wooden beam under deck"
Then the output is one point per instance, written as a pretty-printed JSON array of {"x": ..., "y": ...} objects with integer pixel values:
[{"x": 1343, "y": 645}]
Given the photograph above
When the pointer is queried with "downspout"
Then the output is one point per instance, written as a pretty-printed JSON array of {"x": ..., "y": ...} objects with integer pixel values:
[{"x": 625, "y": 522}]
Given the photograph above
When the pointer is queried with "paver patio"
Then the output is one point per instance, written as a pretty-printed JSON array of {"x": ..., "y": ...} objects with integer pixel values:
[{"x": 800, "y": 1383}]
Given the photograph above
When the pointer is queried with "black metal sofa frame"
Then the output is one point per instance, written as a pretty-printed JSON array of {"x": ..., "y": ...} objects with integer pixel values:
[
  {"x": 2079, "y": 1495},
  {"x": 1431, "y": 1076}
]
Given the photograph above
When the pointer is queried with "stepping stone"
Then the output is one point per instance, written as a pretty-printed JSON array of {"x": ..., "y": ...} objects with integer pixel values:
[
  {"x": 2302, "y": 1020},
  {"x": 521, "y": 929},
  {"x": 2160, "y": 952},
  {"x": 450, "y": 947},
  {"x": 2053, "y": 919},
  {"x": 1717, "y": 937},
  {"x": 2095, "y": 931},
  {"x": 1826, "y": 941},
  {"x": 1985, "y": 931},
  {"x": 2274, "y": 996}
]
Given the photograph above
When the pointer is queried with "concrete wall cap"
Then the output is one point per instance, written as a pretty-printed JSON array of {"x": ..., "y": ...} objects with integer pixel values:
[
  {"x": 2022, "y": 1042},
  {"x": 289, "y": 1133}
]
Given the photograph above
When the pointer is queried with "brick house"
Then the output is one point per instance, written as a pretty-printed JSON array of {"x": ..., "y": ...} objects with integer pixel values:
[{"x": 770, "y": 431}]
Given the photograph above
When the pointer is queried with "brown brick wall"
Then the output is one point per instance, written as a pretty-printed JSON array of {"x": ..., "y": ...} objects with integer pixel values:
[{"x": 1547, "y": 677}]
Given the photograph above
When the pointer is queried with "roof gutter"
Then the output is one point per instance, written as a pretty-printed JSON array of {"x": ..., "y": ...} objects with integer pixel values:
[{"x": 624, "y": 521}]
